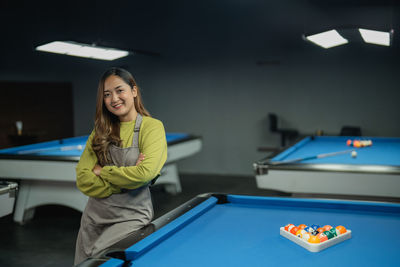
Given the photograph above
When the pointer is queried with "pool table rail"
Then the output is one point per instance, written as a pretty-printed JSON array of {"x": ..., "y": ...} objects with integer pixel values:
[{"x": 261, "y": 168}]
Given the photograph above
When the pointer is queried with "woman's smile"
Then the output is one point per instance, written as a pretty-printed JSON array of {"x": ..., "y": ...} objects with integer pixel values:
[{"x": 117, "y": 106}]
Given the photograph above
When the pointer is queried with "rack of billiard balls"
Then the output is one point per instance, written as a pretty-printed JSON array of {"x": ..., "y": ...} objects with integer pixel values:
[
  {"x": 315, "y": 238},
  {"x": 314, "y": 233},
  {"x": 358, "y": 143}
]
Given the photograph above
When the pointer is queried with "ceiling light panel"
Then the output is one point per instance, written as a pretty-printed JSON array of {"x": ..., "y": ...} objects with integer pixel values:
[{"x": 327, "y": 39}]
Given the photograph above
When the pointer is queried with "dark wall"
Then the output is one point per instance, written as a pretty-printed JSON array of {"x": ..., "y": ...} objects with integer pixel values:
[
  {"x": 227, "y": 102},
  {"x": 44, "y": 109}
]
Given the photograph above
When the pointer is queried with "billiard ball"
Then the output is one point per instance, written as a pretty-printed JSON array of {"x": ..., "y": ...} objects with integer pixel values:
[
  {"x": 353, "y": 154},
  {"x": 294, "y": 230},
  {"x": 302, "y": 226},
  {"x": 357, "y": 143},
  {"x": 308, "y": 229},
  {"x": 337, "y": 231},
  {"x": 306, "y": 236},
  {"x": 300, "y": 233},
  {"x": 311, "y": 230},
  {"x": 288, "y": 227},
  {"x": 366, "y": 143},
  {"x": 341, "y": 229},
  {"x": 327, "y": 227},
  {"x": 320, "y": 230},
  {"x": 348, "y": 142},
  {"x": 322, "y": 237},
  {"x": 314, "y": 239},
  {"x": 315, "y": 227},
  {"x": 329, "y": 234},
  {"x": 333, "y": 232}
]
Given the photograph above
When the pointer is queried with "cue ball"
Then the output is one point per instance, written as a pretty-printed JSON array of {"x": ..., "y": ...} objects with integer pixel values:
[{"x": 353, "y": 154}]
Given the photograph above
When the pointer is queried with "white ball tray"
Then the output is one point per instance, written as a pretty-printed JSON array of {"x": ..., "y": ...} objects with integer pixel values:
[{"x": 315, "y": 247}]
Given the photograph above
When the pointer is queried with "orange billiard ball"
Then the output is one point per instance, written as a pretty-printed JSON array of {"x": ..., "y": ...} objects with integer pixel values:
[
  {"x": 348, "y": 142},
  {"x": 294, "y": 230},
  {"x": 322, "y": 237},
  {"x": 357, "y": 143},
  {"x": 314, "y": 239},
  {"x": 289, "y": 226},
  {"x": 302, "y": 226},
  {"x": 341, "y": 229}
]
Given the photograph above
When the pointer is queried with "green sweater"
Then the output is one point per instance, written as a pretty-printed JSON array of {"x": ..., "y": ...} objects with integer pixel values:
[{"x": 152, "y": 143}]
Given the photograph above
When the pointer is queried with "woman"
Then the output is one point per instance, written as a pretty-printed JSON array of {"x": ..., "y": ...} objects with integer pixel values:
[{"x": 125, "y": 151}]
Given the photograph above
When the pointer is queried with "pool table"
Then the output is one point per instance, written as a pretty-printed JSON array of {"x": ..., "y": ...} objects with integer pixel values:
[
  {"x": 46, "y": 171},
  {"x": 375, "y": 171},
  {"x": 234, "y": 230}
]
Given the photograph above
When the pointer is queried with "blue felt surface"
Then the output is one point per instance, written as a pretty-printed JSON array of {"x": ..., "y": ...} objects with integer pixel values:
[
  {"x": 113, "y": 263},
  {"x": 53, "y": 148},
  {"x": 384, "y": 151},
  {"x": 246, "y": 233},
  {"x": 170, "y": 229}
]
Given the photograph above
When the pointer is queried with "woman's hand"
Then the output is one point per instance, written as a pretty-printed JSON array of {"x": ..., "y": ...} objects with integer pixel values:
[
  {"x": 97, "y": 169},
  {"x": 140, "y": 159}
]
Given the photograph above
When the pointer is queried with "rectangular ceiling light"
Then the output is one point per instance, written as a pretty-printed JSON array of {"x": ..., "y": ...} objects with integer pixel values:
[
  {"x": 375, "y": 37},
  {"x": 327, "y": 39},
  {"x": 82, "y": 50}
]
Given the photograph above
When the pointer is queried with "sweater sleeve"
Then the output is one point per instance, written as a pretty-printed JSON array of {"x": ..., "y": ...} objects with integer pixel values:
[
  {"x": 153, "y": 144},
  {"x": 87, "y": 182}
]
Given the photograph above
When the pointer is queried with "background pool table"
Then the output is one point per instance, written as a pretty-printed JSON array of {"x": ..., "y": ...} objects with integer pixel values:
[
  {"x": 374, "y": 172},
  {"x": 46, "y": 171},
  {"x": 233, "y": 230}
]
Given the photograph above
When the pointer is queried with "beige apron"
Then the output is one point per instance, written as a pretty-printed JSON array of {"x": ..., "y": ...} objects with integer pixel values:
[{"x": 106, "y": 221}]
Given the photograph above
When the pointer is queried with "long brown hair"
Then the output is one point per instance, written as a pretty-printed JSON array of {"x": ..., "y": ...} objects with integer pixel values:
[{"x": 107, "y": 125}]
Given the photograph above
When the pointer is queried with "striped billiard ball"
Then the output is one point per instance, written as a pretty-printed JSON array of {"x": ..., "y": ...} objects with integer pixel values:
[
  {"x": 329, "y": 234},
  {"x": 334, "y": 232},
  {"x": 294, "y": 230},
  {"x": 322, "y": 237},
  {"x": 288, "y": 227}
]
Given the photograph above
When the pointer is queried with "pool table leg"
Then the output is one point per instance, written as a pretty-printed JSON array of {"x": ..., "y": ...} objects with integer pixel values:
[
  {"x": 20, "y": 214},
  {"x": 170, "y": 179},
  {"x": 34, "y": 193}
]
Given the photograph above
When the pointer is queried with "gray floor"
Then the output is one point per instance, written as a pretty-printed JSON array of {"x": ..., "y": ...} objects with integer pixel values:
[{"x": 49, "y": 239}]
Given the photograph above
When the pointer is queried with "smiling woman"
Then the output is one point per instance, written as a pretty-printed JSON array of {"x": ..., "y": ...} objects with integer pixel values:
[{"x": 124, "y": 153}]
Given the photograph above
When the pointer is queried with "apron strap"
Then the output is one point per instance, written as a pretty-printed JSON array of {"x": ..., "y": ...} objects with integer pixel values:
[{"x": 135, "y": 141}]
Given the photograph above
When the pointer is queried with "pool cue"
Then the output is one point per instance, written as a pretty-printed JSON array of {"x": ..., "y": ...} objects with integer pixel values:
[
  {"x": 320, "y": 156},
  {"x": 39, "y": 150}
]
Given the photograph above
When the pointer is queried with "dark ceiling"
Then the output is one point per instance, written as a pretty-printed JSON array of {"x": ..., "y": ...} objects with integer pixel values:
[{"x": 265, "y": 30}]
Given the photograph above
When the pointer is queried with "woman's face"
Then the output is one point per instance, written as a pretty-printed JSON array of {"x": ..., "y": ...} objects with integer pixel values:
[{"x": 118, "y": 98}]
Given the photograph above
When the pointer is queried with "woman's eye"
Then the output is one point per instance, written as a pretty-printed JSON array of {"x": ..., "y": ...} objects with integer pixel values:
[{"x": 106, "y": 95}]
